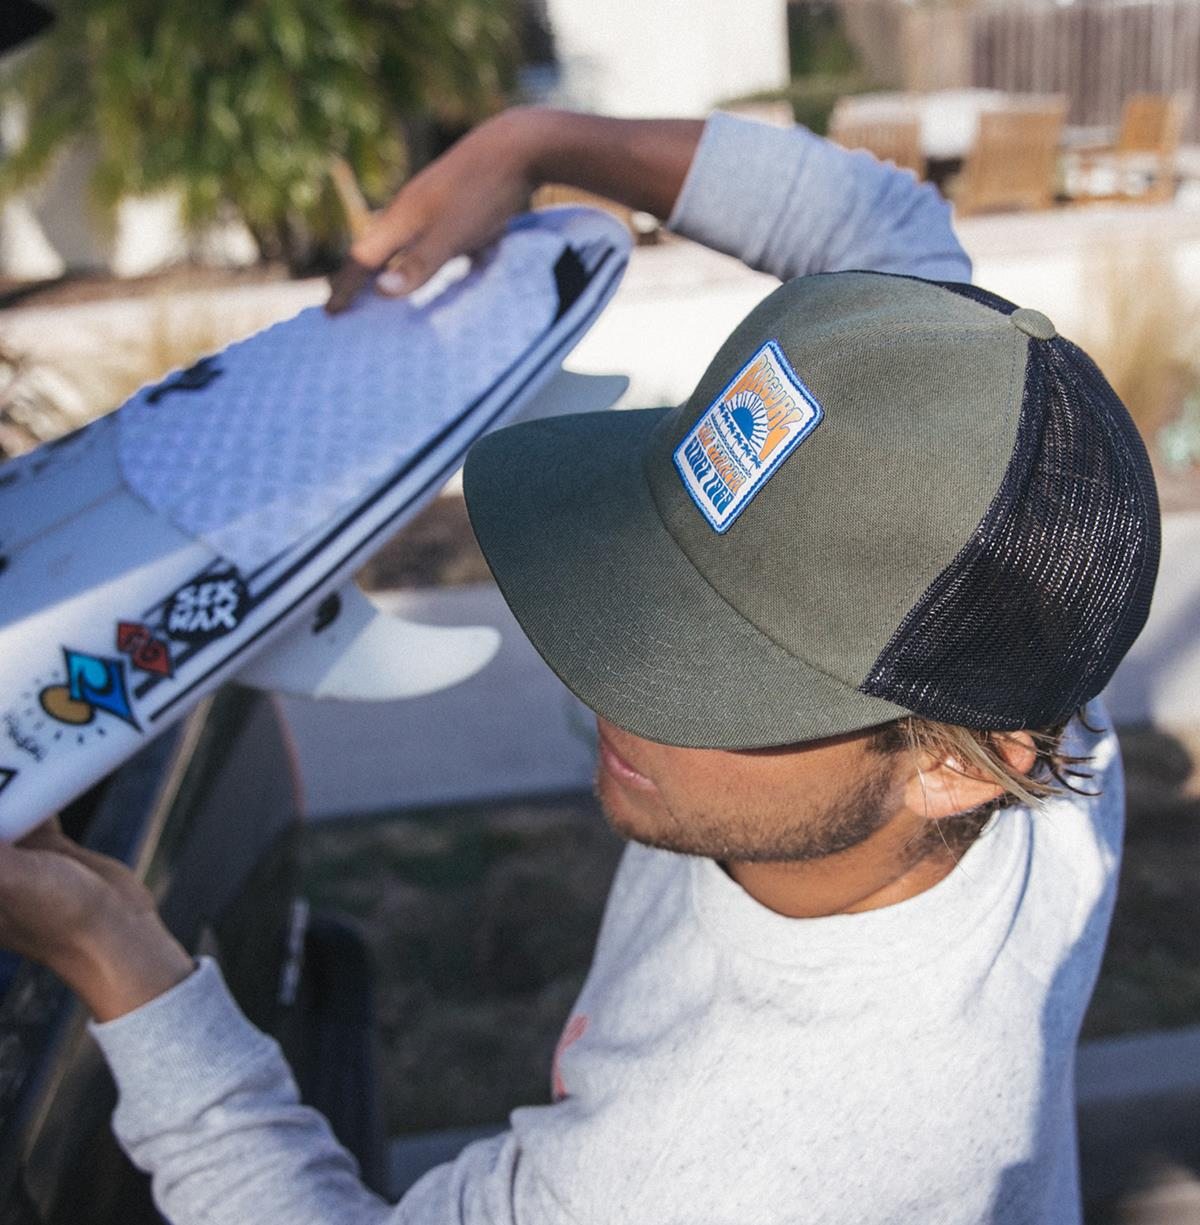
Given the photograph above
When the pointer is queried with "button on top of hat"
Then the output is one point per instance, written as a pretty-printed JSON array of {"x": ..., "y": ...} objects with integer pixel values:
[{"x": 1033, "y": 323}]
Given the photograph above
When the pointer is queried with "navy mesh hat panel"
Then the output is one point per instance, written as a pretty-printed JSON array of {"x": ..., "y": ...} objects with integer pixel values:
[
  {"x": 1032, "y": 617},
  {"x": 965, "y": 289}
]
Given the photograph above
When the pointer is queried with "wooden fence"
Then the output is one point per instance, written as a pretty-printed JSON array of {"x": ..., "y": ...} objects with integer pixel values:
[{"x": 1097, "y": 52}]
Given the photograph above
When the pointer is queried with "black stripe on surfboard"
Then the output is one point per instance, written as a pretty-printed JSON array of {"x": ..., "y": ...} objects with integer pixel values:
[
  {"x": 438, "y": 479},
  {"x": 442, "y": 475},
  {"x": 257, "y": 598},
  {"x": 574, "y": 272},
  {"x": 568, "y": 292}
]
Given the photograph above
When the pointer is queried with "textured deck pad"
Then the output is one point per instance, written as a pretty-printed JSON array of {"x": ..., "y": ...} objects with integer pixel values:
[{"x": 254, "y": 448}]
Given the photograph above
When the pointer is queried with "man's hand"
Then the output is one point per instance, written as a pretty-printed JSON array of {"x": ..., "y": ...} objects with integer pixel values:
[
  {"x": 89, "y": 919},
  {"x": 457, "y": 203},
  {"x": 462, "y": 201}
]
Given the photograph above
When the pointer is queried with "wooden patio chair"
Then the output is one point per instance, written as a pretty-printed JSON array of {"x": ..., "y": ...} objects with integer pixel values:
[
  {"x": 892, "y": 138},
  {"x": 1141, "y": 164},
  {"x": 1013, "y": 163}
]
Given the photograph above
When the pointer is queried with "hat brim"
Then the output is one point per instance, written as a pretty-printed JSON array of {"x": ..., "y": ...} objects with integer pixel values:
[{"x": 565, "y": 518}]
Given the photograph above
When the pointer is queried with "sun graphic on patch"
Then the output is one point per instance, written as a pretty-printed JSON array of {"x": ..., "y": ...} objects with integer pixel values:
[
  {"x": 758, "y": 420},
  {"x": 749, "y": 414}
]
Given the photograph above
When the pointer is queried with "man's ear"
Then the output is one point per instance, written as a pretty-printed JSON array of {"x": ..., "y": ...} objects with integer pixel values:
[{"x": 942, "y": 785}]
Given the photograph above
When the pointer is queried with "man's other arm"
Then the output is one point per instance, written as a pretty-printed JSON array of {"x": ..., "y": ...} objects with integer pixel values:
[
  {"x": 209, "y": 1107},
  {"x": 789, "y": 202}
]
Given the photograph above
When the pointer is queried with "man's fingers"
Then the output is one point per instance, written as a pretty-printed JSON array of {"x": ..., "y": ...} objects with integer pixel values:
[
  {"x": 405, "y": 273},
  {"x": 408, "y": 270},
  {"x": 49, "y": 836},
  {"x": 46, "y": 836},
  {"x": 112, "y": 871},
  {"x": 347, "y": 283}
]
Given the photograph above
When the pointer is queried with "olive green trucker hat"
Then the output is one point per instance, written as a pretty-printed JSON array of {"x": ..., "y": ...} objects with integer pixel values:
[{"x": 886, "y": 495}]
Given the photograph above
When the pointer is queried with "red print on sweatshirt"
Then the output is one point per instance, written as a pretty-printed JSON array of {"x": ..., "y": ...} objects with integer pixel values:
[{"x": 574, "y": 1029}]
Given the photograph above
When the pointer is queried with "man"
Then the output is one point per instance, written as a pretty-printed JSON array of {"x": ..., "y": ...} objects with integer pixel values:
[{"x": 846, "y": 955}]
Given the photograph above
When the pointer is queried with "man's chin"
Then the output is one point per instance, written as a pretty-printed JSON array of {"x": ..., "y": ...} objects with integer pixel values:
[
  {"x": 621, "y": 816},
  {"x": 634, "y": 827}
]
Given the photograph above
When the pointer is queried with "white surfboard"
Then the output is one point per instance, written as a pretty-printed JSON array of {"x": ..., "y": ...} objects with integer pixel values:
[{"x": 209, "y": 527}]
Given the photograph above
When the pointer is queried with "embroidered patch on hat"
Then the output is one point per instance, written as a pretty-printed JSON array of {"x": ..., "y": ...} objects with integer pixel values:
[{"x": 745, "y": 434}]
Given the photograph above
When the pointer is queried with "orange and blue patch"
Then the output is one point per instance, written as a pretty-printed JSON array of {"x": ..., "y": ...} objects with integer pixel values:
[{"x": 743, "y": 436}]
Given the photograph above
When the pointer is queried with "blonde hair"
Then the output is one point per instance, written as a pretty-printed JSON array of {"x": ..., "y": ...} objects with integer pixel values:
[{"x": 978, "y": 753}]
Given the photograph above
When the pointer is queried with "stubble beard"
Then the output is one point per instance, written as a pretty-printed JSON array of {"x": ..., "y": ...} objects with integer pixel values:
[{"x": 857, "y": 814}]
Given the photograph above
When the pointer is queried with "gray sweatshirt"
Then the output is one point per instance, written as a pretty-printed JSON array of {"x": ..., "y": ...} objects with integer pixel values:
[{"x": 725, "y": 1064}]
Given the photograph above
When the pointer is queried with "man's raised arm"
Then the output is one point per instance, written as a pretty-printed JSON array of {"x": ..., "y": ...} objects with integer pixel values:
[{"x": 782, "y": 200}]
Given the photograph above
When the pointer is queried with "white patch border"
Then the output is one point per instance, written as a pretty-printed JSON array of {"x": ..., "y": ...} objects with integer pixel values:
[{"x": 773, "y": 463}]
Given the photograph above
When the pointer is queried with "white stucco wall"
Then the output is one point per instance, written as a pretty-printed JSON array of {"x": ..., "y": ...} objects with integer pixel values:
[
  {"x": 56, "y": 227},
  {"x": 667, "y": 57}
]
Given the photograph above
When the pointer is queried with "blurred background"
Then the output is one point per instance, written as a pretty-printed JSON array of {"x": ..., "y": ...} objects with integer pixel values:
[{"x": 175, "y": 174}]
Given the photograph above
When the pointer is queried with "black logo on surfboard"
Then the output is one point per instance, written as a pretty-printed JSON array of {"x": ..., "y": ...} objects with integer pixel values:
[
  {"x": 206, "y": 608},
  {"x": 191, "y": 379}
]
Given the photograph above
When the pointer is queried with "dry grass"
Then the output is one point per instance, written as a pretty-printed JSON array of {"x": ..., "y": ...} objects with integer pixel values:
[
  {"x": 1143, "y": 331},
  {"x": 177, "y": 335},
  {"x": 40, "y": 400}
]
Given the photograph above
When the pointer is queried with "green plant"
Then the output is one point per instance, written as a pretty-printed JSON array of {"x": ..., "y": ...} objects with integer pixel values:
[
  {"x": 243, "y": 104},
  {"x": 817, "y": 43}
]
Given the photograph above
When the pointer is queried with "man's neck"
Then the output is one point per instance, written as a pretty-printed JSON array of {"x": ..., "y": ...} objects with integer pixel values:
[{"x": 814, "y": 888}]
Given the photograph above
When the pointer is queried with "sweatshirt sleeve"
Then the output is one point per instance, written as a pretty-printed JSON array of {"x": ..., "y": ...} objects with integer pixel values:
[
  {"x": 789, "y": 202},
  {"x": 208, "y": 1107}
]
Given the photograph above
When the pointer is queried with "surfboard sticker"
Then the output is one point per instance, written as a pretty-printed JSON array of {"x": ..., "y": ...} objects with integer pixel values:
[
  {"x": 208, "y": 608},
  {"x": 93, "y": 685},
  {"x": 146, "y": 652},
  {"x": 127, "y": 599},
  {"x": 78, "y": 704}
]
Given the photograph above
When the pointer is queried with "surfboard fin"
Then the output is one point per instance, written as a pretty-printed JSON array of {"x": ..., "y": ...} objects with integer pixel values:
[
  {"x": 352, "y": 650},
  {"x": 569, "y": 392}
]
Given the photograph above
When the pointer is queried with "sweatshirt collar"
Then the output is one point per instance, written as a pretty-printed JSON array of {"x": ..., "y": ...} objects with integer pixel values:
[{"x": 903, "y": 934}]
